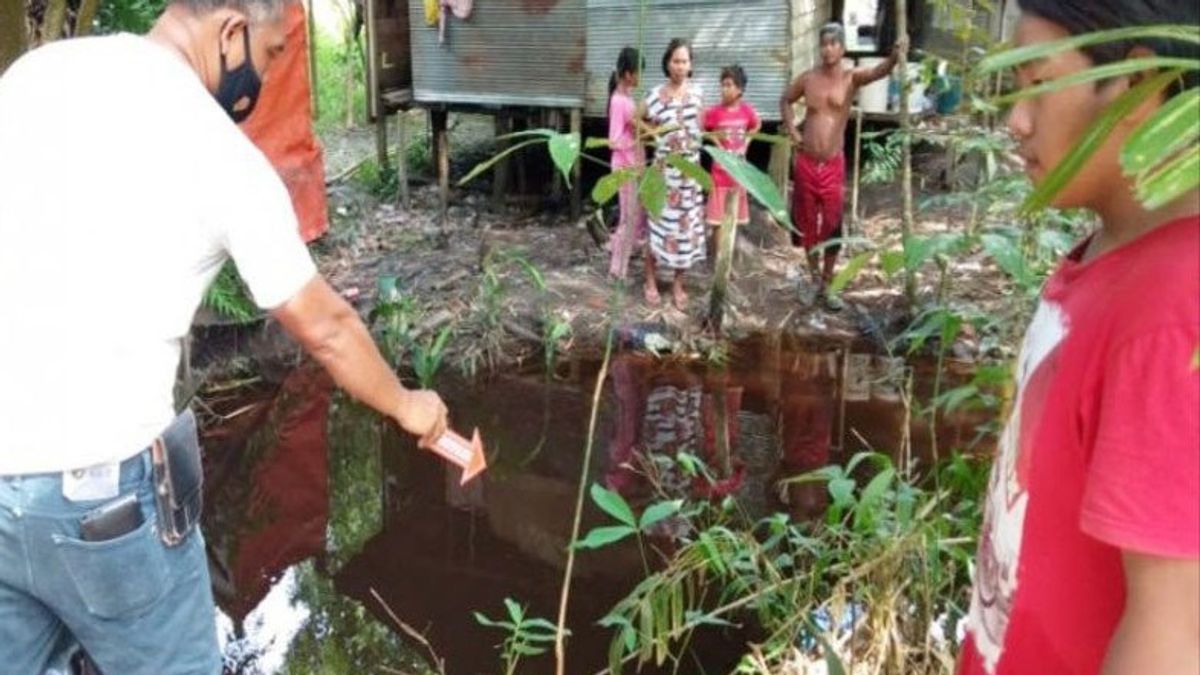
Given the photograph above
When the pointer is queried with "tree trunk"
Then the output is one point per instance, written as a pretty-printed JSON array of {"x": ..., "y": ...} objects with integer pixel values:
[
  {"x": 86, "y": 16},
  {"x": 906, "y": 218},
  {"x": 726, "y": 244},
  {"x": 13, "y": 33},
  {"x": 52, "y": 23}
]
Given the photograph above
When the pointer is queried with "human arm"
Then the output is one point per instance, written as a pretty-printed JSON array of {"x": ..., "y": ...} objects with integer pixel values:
[
  {"x": 794, "y": 92},
  {"x": 1159, "y": 631},
  {"x": 331, "y": 331},
  {"x": 865, "y": 76}
]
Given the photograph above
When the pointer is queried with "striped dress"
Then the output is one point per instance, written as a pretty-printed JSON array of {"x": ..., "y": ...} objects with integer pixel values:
[{"x": 677, "y": 236}]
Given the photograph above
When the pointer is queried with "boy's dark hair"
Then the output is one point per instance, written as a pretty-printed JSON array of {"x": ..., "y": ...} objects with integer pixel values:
[
  {"x": 676, "y": 43},
  {"x": 1087, "y": 16},
  {"x": 737, "y": 74},
  {"x": 628, "y": 61}
]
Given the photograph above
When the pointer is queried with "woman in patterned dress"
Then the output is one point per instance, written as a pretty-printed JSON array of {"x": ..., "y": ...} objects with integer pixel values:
[{"x": 677, "y": 237}]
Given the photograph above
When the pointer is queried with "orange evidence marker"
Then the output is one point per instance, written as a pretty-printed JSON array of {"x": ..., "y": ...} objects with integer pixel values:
[{"x": 466, "y": 454}]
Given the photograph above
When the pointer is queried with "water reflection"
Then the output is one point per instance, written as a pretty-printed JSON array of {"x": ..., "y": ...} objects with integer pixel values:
[{"x": 297, "y": 474}]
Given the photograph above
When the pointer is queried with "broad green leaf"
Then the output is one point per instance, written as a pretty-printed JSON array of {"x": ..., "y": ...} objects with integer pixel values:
[
  {"x": 564, "y": 150},
  {"x": 1013, "y": 57},
  {"x": 892, "y": 262},
  {"x": 653, "y": 192},
  {"x": 1174, "y": 179},
  {"x": 692, "y": 170},
  {"x": 1108, "y": 70},
  {"x": 484, "y": 621},
  {"x": 613, "y": 504},
  {"x": 527, "y": 650},
  {"x": 660, "y": 511},
  {"x": 1066, "y": 170},
  {"x": 843, "y": 242},
  {"x": 758, "y": 184},
  {"x": 842, "y": 491},
  {"x": 527, "y": 133},
  {"x": 951, "y": 400},
  {"x": 847, "y": 273},
  {"x": 388, "y": 290},
  {"x": 1173, "y": 126},
  {"x": 859, "y": 458},
  {"x": 515, "y": 611},
  {"x": 489, "y": 163},
  {"x": 610, "y": 184},
  {"x": 878, "y": 485},
  {"x": 603, "y": 536},
  {"x": 1007, "y": 256}
]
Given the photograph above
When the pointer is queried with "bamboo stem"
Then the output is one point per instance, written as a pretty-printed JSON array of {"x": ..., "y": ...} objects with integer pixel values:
[
  {"x": 560, "y": 652},
  {"x": 906, "y": 217}
]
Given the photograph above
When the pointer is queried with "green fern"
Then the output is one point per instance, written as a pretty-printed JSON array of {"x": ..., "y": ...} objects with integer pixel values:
[{"x": 228, "y": 297}]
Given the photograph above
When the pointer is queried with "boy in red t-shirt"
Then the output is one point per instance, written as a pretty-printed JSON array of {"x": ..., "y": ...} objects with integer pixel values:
[
  {"x": 1089, "y": 556},
  {"x": 733, "y": 121}
]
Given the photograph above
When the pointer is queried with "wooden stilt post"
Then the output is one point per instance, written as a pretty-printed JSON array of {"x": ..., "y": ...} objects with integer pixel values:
[
  {"x": 858, "y": 126},
  {"x": 501, "y": 171},
  {"x": 381, "y": 140},
  {"x": 553, "y": 120},
  {"x": 441, "y": 135},
  {"x": 577, "y": 171},
  {"x": 402, "y": 159}
]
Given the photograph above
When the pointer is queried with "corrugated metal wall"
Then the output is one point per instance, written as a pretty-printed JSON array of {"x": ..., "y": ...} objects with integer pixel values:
[
  {"x": 508, "y": 53},
  {"x": 753, "y": 33}
]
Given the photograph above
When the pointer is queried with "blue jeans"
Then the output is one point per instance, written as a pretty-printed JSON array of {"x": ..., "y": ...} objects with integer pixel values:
[{"x": 136, "y": 606}]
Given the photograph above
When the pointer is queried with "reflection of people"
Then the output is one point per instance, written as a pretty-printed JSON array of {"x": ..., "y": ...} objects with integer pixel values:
[
  {"x": 660, "y": 415},
  {"x": 806, "y": 420},
  {"x": 145, "y": 202},
  {"x": 820, "y": 169},
  {"x": 677, "y": 234},
  {"x": 1089, "y": 556}
]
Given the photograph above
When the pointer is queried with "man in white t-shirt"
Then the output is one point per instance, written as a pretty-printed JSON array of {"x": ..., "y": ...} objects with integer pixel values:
[{"x": 124, "y": 186}]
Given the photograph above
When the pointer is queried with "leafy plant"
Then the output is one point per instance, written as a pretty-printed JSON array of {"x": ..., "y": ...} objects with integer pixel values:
[
  {"x": 427, "y": 357},
  {"x": 228, "y": 297},
  {"x": 526, "y": 636}
]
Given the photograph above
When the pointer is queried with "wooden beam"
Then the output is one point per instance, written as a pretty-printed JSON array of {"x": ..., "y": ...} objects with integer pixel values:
[
  {"x": 439, "y": 120},
  {"x": 577, "y": 170},
  {"x": 501, "y": 171},
  {"x": 402, "y": 159},
  {"x": 858, "y": 125}
]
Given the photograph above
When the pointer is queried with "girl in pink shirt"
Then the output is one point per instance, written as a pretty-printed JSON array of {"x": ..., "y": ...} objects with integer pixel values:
[{"x": 622, "y": 138}]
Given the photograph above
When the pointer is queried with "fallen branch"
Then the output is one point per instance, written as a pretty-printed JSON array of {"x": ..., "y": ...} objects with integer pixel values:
[{"x": 437, "y": 661}]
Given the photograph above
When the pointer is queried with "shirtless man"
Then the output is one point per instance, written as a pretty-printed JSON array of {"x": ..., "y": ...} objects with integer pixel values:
[{"x": 817, "y": 196}]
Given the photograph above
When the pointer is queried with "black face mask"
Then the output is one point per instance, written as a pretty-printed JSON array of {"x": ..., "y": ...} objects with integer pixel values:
[{"x": 240, "y": 83}]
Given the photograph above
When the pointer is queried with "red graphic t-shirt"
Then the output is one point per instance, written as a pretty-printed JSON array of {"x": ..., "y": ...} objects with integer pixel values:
[
  {"x": 735, "y": 124},
  {"x": 1101, "y": 454}
]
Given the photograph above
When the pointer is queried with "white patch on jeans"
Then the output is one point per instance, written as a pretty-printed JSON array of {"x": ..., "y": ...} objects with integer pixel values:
[{"x": 101, "y": 481}]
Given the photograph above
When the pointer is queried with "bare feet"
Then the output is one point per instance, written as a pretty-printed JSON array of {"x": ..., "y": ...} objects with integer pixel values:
[
  {"x": 679, "y": 297},
  {"x": 650, "y": 290}
]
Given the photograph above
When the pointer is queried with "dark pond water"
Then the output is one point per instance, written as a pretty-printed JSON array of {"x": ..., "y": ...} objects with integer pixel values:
[{"x": 326, "y": 527}]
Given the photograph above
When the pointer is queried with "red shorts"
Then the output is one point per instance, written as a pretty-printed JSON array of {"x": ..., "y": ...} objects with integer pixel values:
[
  {"x": 716, "y": 205},
  {"x": 817, "y": 199}
]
